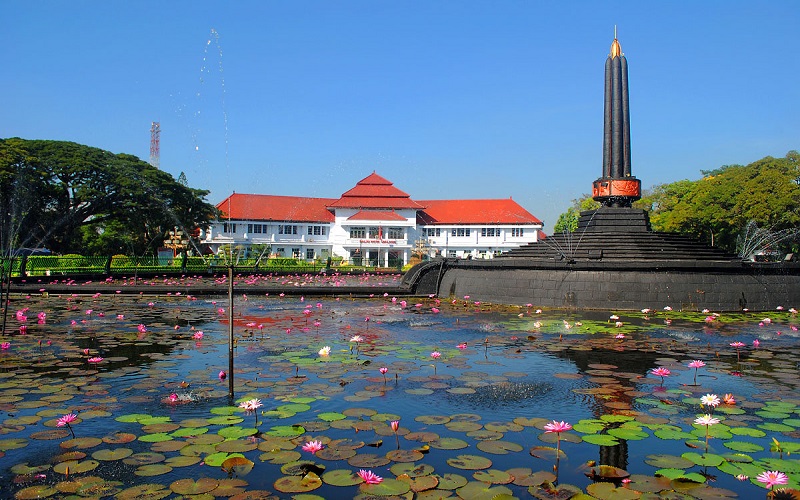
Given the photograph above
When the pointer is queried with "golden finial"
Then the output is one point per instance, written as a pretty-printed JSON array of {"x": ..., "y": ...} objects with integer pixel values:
[{"x": 616, "y": 50}]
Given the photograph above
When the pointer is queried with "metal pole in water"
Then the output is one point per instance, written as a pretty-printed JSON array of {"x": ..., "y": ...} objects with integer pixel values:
[{"x": 230, "y": 332}]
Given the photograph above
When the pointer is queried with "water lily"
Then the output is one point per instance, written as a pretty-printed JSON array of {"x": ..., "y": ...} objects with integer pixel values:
[
  {"x": 383, "y": 371},
  {"x": 661, "y": 372},
  {"x": 95, "y": 360},
  {"x": 710, "y": 400},
  {"x": 313, "y": 446},
  {"x": 370, "y": 477},
  {"x": 696, "y": 364},
  {"x": 251, "y": 405},
  {"x": 737, "y": 345},
  {"x": 728, "y": 399},
  {"x": 771, "y": 478},
  {"x": 708, "y": 421},
  {"x": 325, "y": 351},
  {"x": 395, "y": 425},
  {"x": 66, "y": 420},
  {"x": 557, "y": 427},
  {"x": 5, "y": 346}
]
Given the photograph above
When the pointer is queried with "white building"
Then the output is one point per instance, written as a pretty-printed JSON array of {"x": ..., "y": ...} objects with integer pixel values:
[{"x": 374, "y": 221}]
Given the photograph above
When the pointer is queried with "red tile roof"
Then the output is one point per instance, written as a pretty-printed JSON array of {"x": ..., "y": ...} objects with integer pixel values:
[
  {"x": 376, "y": 215},
  {"x": 503, "y": 211},
  {"x": 374, "y": 191},
  {"x": 276, "y": 208}
]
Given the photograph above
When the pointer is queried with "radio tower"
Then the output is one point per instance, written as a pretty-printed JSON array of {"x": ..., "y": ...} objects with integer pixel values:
[{"x": 155, "y": 138}]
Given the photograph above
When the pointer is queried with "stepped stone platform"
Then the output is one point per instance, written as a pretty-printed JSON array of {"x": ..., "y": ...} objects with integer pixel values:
[{"x": 615, "y": 261}]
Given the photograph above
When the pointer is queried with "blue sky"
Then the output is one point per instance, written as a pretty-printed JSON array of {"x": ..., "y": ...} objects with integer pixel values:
[{"x": 471, "y": 99}]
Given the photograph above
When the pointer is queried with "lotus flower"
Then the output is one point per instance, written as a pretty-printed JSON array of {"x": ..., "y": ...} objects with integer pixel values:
[
  {"x": 711, "y": 400},
  {"x": 708, "y": 421},
  {"x": 661, "y": 372},
  {"x": 325, "y": 351},
  {"x": 370, "y": 477},
  {"x": 66, "y": 420},
  {"x": 313, "y": 446},
  {"x": 771, "y": 478},
  {"x": 696, "y": 364}
]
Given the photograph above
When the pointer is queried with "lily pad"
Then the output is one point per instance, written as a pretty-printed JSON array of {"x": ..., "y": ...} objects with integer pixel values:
[
  {"x": 476, "y": 490},
  {"x": 189, "y": 486},
  {"x": 298, "y": 484},
  {"x": 387, "y": 487},
  {"x": 469, "y": 462},
  {"x": 493, "y": 476},
  {"x": 341, "y": 477}
]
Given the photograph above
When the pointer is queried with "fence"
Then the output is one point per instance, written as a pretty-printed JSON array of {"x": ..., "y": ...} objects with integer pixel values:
[{"x": 66, "y": 265}]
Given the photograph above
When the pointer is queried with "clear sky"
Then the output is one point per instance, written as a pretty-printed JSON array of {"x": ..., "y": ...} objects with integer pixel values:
[{"x": 447, "y": 99}]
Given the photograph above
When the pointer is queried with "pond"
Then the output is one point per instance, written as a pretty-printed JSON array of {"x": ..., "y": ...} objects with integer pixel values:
[{"x": 473, "y": 389}]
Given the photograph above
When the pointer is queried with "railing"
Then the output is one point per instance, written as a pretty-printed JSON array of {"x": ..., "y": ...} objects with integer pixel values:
[{"x": 73, "y": 265}]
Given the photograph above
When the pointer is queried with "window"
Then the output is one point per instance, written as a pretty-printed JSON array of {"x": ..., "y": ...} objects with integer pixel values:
[
  {"x": 257, "y": 228},
  {"x": 460, "y": 231},
  {"x": 433, "y": 231},
  {"x": 227, "y": 227},
  {"x": 280, "y": 251},
  {"x": 309, "y": 254},
  {"x": 374, "y": 231},
  {"x": 287, "y": 229},
  {"x": 296, "y": 253},
  {"x": 490, "y": 231},
  {"x": 395, "y": 233},
  {"x": 358, "y": 232},
  {"x": 316, "y": 230},
  {"x": 452, "y": 253},
  {"x": 517, "y": 232}
]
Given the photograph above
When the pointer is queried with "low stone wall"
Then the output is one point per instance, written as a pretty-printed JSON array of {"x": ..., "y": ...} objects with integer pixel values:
[{"x": 618, "y": 289}]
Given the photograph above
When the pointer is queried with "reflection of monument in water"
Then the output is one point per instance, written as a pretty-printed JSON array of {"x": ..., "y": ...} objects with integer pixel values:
[{"x": 614, "y": 260}]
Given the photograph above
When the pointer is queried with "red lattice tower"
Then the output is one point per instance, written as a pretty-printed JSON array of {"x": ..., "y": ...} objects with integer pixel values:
[{"x": 155, "y": 139}]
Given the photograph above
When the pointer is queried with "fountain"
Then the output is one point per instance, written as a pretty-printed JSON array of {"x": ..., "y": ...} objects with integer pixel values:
[{"x": 614, "y": 260}]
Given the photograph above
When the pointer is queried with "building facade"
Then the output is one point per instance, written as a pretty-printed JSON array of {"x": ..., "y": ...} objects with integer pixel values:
[{"x": 374, "y": 223}]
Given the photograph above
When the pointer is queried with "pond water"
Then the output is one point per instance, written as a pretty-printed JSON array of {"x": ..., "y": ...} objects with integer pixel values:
[{"x": 154, "y": 419}]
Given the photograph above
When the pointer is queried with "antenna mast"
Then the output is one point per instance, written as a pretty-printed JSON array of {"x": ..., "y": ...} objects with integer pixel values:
[{"x": 155, "y": 140}]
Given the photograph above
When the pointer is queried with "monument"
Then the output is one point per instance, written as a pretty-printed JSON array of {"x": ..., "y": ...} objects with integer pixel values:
[{"x": 614, "y": 260}]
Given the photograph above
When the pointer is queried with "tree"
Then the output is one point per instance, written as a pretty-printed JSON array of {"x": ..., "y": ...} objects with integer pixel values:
[
  {"x": 568, "y": 221},
  {"x": 73, "y": 198}
]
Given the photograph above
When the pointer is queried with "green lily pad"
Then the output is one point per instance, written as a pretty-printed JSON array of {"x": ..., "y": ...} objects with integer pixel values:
[
  {"x": 387, "y": 487},
  {"x": 469, "y": 462},
  {"x": 743, "y": 446},
  {"x": 663, "y": 461},
  {"x": 298, "y": 484},
  {"x": 189, "y": 486},
  {"x": 451, "y": 481},
  {"x": 155, "y": 438},
  {"x": 152, "y": 470},
  {"x": 476, "y": 490},
  {"x": 498, "y": 447},
  {"x": 148, "y": 491},
  {"x": 493, "y": 476},
  {"x": 341, "y": 477},
  {"x": 601, "y": 439},
  {"x": 703, "y": 459},
  {"x": 608, "y": 491},
  {"x": 236, "y": 432},
  {"x": 75, "y": 466},
  {"x": 286, "y": 431},
  {"x": 331, "y": 416},
  {"x": 411, "y": 469},
  {"x": 112, "y": 455},
  {"x": 448, "y": 443}
]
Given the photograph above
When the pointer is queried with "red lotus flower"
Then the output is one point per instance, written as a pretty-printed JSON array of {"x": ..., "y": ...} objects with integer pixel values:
[{"x": 557, "y": 427}]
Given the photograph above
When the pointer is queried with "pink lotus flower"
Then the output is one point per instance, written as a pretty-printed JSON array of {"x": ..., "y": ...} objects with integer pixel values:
[
  {"x": 557, "y": 427},
  {"x": 383, "y": 370},
  {"x": 737, "y": 345},
  {"x": 756, "y": 343},
  {"x": 197, "y": 335},
  {"x": 394, "y": 424},
  {"x": 708, "y": 421},
  {"x": 5, "y": 346},
  {"x": 251, "y": 405},
  {"x": 728, "y": 399},
  {"x": 95, "y": 360},
  {"x": 356, "y": 338},
  {"x": 436, "y": 354},
  {"x": 66, "y": 420},
  {"x": 661, "y": 372},
  {"x": 222, "y": 375},
  {"x": 696, "y": 364},
  {"x": 370, "y": 477},
  {"x": 313, "y": 446},
  {"x": 142, "y": 328},
  {"x": 462, "y": 345},
  {"x": 771, "y": 478}
]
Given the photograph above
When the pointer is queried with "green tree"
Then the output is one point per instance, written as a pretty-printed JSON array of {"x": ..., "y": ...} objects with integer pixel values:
[
  {"x": 568, "y": 221},
  {"x": 73, "y": 198}
]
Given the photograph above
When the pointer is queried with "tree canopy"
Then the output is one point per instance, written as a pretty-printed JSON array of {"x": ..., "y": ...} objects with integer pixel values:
[
  {"x": 719, "y": 207},
  {"x": 73, "y": 198}
]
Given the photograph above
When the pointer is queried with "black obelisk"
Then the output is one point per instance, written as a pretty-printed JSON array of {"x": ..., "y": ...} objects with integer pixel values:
[{"x": 617, "y": 187}]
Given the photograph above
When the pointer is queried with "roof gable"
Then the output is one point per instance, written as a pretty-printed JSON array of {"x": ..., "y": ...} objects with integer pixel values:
[{"x": 373, "y": 192}]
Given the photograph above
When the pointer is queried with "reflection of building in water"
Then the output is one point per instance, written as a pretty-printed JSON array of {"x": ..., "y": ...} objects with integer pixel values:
[{"x": 374, "y": 223}]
